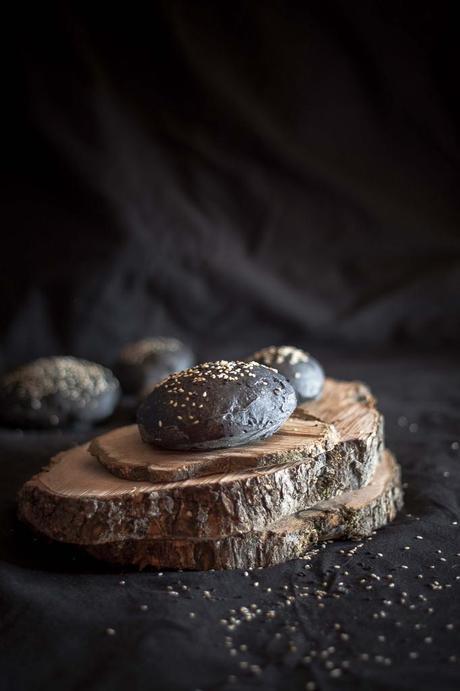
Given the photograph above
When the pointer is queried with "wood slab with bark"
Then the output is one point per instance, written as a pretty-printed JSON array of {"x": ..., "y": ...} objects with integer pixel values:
[
  {"x": 124, "y": 454},
  {"x": 354, "y": 515},
  {"x": 346, "y": 412}
]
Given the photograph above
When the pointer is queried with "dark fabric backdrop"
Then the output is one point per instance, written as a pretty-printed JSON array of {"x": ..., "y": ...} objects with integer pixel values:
[
  {"x": 283, "y": 171},
  {"x": 238, "y": 174}
]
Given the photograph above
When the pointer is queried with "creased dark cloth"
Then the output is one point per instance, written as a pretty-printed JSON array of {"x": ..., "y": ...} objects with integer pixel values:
[{"x": 290, "y": 172}]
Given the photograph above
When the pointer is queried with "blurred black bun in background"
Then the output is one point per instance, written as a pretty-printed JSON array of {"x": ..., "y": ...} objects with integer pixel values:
[
  {"x": 142, "y": 364},
  {"x": 232, "y": 174}
]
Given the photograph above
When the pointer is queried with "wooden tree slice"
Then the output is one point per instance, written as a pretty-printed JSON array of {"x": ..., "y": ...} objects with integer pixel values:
[
  {"x": 77, "y": 500},
  {"x": 346, "y": 411},
  {"x": 353, "y": 515},
  {"x": 124, "y": 454}
]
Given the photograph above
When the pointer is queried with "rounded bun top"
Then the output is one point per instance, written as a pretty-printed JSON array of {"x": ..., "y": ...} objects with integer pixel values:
[
  {"x": 157, "y": 347},
  {"x": 216, "y": 405},
  {"x": 304, "y": 372},
  {"x": 55, "y": 390},
  {"x": 143, "y": 364}
]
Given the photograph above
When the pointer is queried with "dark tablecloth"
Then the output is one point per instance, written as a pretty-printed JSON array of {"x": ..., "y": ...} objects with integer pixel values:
[{"x": 386, "y": 616}]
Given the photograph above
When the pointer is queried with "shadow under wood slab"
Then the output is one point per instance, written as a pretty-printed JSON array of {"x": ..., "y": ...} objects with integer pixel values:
[
  {"x": 75, "y": 499},
  {"x": 345, "y": 414},
  {"x": 354, "y": 514}
]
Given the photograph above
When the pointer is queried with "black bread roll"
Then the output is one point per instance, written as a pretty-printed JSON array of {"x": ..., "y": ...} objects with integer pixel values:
[
  {"x": 216, "y": 405},
  {"x": 55, "y": 391},
  {"x": 142, "y": 364},
  {"x": 302, "y": 371}
]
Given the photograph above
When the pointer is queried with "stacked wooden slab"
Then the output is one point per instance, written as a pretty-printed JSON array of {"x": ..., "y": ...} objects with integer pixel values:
[{"x": 324, "y": 474}]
